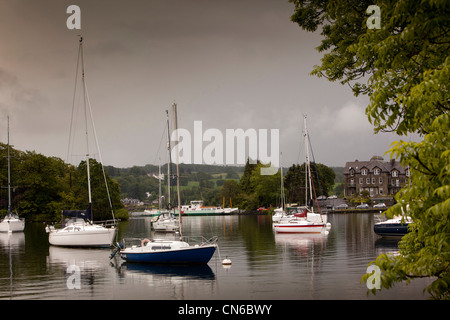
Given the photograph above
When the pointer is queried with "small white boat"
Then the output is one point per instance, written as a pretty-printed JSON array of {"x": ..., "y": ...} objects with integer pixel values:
[
  {"x": 80, "y": 231},
  {"x": 305, "y": 220},
  {"x": 12, "y": 223},
  {"x": 296, "y": 225},
  {"x": 280, "y": 213},
  {"x": 166, "y": 222}
]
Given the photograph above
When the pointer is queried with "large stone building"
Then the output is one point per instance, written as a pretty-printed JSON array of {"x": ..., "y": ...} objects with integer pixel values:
[{"x": 378, "y": 177}]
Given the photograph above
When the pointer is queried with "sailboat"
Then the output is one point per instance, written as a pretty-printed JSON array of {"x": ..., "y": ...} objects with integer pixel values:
[
  {"x": 79, "y": 229},
  {"x": 395, "y": 227},
  {"x": 304, "y": 220},
  {"x": 166, "y": 220},
  {"x": 161, "y": 251},
  {"x": 280, "y": 212},
  {"x": 11, "y": 222}
]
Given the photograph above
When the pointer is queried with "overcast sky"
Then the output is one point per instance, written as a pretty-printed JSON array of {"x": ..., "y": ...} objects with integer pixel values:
[{"x": 230, "y": 64}]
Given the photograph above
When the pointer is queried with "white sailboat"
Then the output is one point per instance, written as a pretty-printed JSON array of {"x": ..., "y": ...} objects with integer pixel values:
[
  {"x": 280, "y": 213},
  {"x": 11, "y": 222},
  {"x": 166, "y": 220},
  {"x": 79, "y": 229},
  {"x": 162, "y": 251},
  {"x": 305, "y": 220}
]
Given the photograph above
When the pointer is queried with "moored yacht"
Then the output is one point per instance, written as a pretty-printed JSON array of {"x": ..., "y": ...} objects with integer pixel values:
[
  {"x": 304, "y": 220},
  {"x": 396, "y": 227},
  {"x": 79, "y": 230},
  {"x": 11, "y": 222}
]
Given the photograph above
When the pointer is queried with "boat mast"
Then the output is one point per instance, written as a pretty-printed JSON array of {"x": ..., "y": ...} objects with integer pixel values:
[
  {"x": 174, "y": 106},
  {"x": 282, "y": 184},
  {"x": 170, "y": 160},
  {"x": 9, "y": 176},
  {"x": 159, "y": 180},
  {"x": 307, "y": 164},
  {"x": 86, "y": 125}
]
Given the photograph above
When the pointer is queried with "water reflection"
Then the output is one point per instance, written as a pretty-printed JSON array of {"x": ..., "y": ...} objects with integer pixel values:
[
  {"x": 265, "y": 265},
  {"x": 387, "y": 245},
  {"x": 12, "y": 239},
  {"x": 85, "y": 259},
  {"x": 175, "y": 272},
  {"x": 304, "y": 244},
  {"x": 10, "y": 244}
]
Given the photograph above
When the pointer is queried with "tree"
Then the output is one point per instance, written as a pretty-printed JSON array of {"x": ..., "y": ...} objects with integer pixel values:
[
  {"x": 294, "y": 182},
  {"x": 231, "y": 190},
  {"x": 100, "y": 202},
  {"x": 404, "y": 68},
  {"x": 41, "y": 180},
  {"x": 266, "y": 187},
  {"x": 245, "y": 182},
  {"x": 258, "y": 190}
]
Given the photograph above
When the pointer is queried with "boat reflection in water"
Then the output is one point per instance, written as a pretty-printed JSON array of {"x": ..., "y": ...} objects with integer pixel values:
[
  {"x": 183, "y": 272},
  {"x": 300, "y": 240},
  {"x": 84, "y": 258},
  {"x": 12, "y": 240}
]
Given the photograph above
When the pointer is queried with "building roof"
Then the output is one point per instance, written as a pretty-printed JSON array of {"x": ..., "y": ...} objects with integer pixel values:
[{"x": 375, "y": 162}]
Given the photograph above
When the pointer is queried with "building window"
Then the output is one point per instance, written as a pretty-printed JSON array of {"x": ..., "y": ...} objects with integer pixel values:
[
  {"x": 361, "y": 180},
  {"x": 407, "y": 172},
  {"x": 376, "y": 171},
  {"x": 395, "y": 173},
  {"x": 397, "y": 183},
  {"x": 380, "y": 180},
  {"x": 352, "y": 173},
  {"x": 373, "y": 180},
  {"x": 364, "y": 172},
  {"x": 367, "y": 180},
  {"x": 352, "y": 181},
  {"x": 380, "y": 191}
]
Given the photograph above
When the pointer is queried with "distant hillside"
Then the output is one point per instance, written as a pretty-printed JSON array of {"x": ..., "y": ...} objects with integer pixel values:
[
  {"x": 198, "y": 181},
  {"x": 339, "y": 171}
]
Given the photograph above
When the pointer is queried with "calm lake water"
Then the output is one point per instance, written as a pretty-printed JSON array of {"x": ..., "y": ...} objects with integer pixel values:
[{"x": 265, "y": 265}]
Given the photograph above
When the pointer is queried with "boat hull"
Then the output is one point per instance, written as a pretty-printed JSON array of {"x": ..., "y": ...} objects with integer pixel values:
[
  {"x": 189, "y": 255},
  {"x": 391, "y": 229},
  {"x": 12, "y": 225},
  {"x": 298, "y": 227},
  {"x": 83, "y": 238}
]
